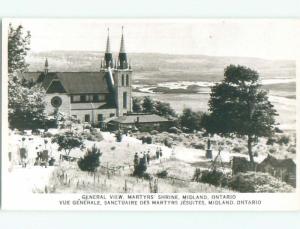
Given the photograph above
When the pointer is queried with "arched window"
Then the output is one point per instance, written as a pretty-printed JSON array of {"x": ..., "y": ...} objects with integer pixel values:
[{"x": 123, "y": 80}]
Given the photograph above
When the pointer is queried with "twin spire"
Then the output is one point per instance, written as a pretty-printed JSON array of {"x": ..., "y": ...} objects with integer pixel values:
[
  {"x": 121, "y": 63},
  {"x": 122, "y": 58}
]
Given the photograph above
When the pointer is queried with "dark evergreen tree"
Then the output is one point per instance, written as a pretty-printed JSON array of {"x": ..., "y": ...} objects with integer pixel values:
[
  {"x": 91, "y": 160},
  {"x": 239, "y": 106}
]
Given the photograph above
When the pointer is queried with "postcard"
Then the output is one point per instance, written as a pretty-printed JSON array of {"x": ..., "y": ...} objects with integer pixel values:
[{"x": 150, "y": 114}]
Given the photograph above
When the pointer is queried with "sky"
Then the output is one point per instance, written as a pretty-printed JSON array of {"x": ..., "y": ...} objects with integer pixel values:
[{"x": 269, "y": 39}]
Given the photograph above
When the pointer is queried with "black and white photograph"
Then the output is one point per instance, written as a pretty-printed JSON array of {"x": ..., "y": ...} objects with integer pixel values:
[{"x": 177, "y": 112}]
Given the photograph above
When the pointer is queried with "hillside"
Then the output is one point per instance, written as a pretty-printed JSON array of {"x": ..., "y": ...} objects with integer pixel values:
[{"x": 151, "y": 68}]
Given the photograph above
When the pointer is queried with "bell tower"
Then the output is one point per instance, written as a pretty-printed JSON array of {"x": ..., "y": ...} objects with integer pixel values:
[{"x": 123, "y": 80}]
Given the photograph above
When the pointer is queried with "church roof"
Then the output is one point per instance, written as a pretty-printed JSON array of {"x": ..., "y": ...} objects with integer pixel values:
[{"x": 74, "y": 82}]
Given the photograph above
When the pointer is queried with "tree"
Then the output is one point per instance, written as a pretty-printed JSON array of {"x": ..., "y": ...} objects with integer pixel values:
[
  {"x": 164, "y": 109},
  {"x": 190, "y": 119},
  {"x": 137, "y": 105},
  {"x": 67, "y": 141},
  {"x": 18, "y": 46},
  {"x": 148, "y": 105},
  {"x": 25, "y": 101},
  {"x": 239, "y": 106},
  {"x": 91, "y": 160}
]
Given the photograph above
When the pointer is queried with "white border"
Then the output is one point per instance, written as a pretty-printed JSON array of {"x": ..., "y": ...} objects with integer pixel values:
[{"x": 271, "y": 202}]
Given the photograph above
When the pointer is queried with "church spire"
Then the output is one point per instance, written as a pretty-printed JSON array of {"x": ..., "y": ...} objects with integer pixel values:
[
  {"x": 46, "y": 66},
  {"x": 123, "y": 64},
  {"x": 122, "y": 48},
  {"x": 108, "y": 55},
  {"x": 108, "y": 43}
]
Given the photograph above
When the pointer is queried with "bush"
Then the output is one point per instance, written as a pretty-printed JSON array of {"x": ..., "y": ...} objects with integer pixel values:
[
  {"x": 271, "y": 141},
  {"x": 168, "y": 142},
  {"x": 154, "y": 132},
  {"x": 284, "y": 139},
  {"x": 214, "y": 177},
  {"x": 92, "y": 136},
  {"x": 174, "y": 130},
  {"x": 238, "y": 149},
  {"x": 257, "y": 182},
  {"x": 292, "y": 149},
  {"x": 272, "y": 150},
  {"x": 162, "y": 174},
  {"x": 277, "y": 130},
  {"x": 47, "y": 135},
  {"x": 146, "y": 139},
  {"x": 91, "y": 160},
  {"x": 198, "y": 145},
  {"x": 67, "y": 141}
]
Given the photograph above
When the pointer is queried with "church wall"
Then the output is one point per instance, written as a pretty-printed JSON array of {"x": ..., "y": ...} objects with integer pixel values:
[
  {"x": 65, "y": 106},
  {"x": 80, "y": 114}
]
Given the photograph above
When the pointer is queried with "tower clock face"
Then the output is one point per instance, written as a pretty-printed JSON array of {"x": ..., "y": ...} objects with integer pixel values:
[{"x": 56, "y": 101}]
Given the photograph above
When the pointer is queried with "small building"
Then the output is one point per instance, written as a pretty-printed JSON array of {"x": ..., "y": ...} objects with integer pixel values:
[
  {"x": 151, "y": 121},
  {"x": 283, "y": 169}
]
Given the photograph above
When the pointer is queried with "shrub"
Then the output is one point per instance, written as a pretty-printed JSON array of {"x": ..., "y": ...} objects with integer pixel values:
[
  {"x": 277, "y": 130},
  {"x": 271, "y": 141},
  {"x": 272, "y": 150},
  {"x": 92, "y": 136},
  {"x": 214, "y": 177},
  {"x": 168, "y": 142},
  {"x": 47, "y": 135},
  {"x": 174, "y": 130},
  {"x": 257, "y": 182},
  {"x": 284, "y": 139},
  {"x": 91, "y": 160},
  {"x": 154, "y": 132},
  {"x": 292, "y": 149},
  {"x": 146, "y": 139},
  {"x": 198, "y": 145},
  {"x": 238, "y": 149},
  {"x": 162, "y": 174}
]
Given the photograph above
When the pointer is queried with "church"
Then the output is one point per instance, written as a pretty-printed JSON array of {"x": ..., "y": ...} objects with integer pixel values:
[{"x": 93, "y": 97}]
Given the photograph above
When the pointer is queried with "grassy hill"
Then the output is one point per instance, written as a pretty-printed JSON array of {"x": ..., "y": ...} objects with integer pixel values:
[{"x": 151, "y": 68}]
